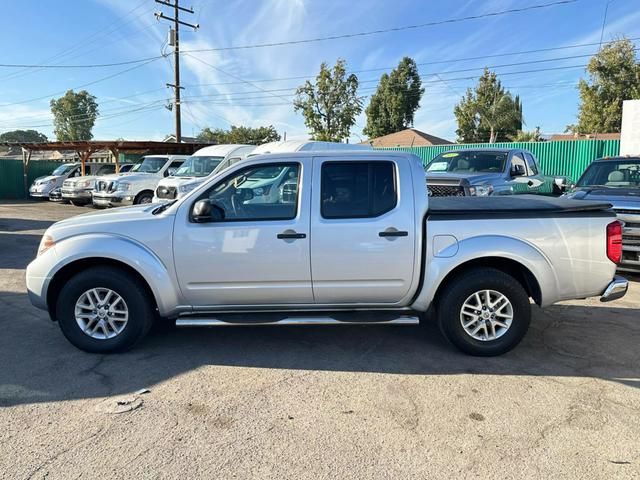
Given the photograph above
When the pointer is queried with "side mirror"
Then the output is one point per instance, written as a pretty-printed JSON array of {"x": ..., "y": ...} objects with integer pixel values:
[
  {"x": 171, "y": 171},
  {"x": 562, "y": 183},
  {"x": 205, "y": 212},
  {"x": 517, "y": 170}
]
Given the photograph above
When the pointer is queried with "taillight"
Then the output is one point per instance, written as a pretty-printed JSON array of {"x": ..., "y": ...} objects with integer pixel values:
[{"x": 614, "y": 241}]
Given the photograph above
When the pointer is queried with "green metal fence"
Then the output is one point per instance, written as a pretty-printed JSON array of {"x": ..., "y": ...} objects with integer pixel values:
[
  {"x": 565, "y": 158},
  {"x": 11, "y": 176}
]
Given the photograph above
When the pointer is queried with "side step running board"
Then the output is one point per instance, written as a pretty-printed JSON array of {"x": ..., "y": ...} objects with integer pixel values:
[{"x": 292, "y": 320}]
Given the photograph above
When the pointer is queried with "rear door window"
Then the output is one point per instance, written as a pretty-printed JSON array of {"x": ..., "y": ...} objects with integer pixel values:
[{"x": 357, "y": 189}]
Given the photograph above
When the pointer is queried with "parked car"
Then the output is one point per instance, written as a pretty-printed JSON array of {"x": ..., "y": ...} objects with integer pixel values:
[
  {"x": 43, "y": 186},
  {"x": 616, "y": 181},
  {"x": 359, "y": 241},
  {"x": 483, "y": 172},
  {"x": 79, "y": 190},
  {"x": 137, "y": 185},
  {"x": 205, "y": 162}
]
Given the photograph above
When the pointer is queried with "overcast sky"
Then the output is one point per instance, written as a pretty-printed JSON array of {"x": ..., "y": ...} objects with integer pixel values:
[{"x": 254, "y": 86}]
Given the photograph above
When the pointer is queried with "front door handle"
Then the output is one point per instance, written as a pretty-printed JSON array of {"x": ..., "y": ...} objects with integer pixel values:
[
  {"x": 394, "y": 233},
  {"x": 289, "y": 234}
]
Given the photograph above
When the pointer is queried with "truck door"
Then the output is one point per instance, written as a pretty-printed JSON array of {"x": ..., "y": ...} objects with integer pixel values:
[
  {"x": 258, "y": 254},
  {"x": 363, "y": 231},
  {"x": 521, "y": 179}
]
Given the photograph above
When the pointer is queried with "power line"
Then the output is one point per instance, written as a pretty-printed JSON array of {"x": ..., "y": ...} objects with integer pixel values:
[
  {"x": 387, "y": 30},
  {"x": 108, "y": 77},
  {"x": 91, "y": 65}
]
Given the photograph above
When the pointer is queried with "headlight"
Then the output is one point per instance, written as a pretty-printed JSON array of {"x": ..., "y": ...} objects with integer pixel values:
[
  {"x": 186, "y": 188},
  {"x": 123, "y": 187},
  {"x": 45, "y": 244},
  {"x": 84, "y": 184},
  {"x": 480, "y": 190}
]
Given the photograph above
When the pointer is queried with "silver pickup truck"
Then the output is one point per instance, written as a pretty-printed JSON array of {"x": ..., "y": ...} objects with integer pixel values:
[{"x": 347, "y": 237}]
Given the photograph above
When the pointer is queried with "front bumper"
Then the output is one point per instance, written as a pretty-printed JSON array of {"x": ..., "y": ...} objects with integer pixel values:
[
  {"x": 37, "y": 280},
  {"x": 112, "y": 199},
  {"x": 84, "y": 195},
  {"x": 616, "y": 289},
  {"x": 39, "y": 194}
]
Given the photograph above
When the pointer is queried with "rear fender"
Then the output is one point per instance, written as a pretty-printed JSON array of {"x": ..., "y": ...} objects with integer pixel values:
[{"x": 485, "y": 246}]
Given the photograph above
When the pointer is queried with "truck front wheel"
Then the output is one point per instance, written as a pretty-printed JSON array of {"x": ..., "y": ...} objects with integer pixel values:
[
  {"x": 484, "y": 312},
  {"x": 104, "y": 309},
  {"x": 144, "y": 197}
]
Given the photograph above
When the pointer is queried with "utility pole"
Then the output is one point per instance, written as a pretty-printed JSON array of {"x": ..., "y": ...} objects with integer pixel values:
[{"x": 174, "y": 41}]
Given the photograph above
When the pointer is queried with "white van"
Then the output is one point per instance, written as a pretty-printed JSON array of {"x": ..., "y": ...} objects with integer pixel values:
[{"x": 204, "y": 163}]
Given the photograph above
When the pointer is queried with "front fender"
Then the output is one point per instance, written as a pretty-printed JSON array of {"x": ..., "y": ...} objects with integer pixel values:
[
  {"x": 114, "y": 247},
  {"x": 486, "y": 246}
]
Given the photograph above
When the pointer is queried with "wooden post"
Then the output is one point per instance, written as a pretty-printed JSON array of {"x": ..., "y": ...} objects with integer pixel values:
[
  {"x": 26, "y": 158},
  {"x": 116, "y": 153}
]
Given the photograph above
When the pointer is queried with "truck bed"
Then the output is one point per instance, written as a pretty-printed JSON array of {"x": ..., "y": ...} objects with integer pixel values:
[{"x": 515, "y": 206}]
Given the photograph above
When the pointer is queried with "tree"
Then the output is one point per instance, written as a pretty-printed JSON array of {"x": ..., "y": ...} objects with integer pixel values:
[
  {"x": 488, "y": 113},
  {"x": 532, "y": 136},
  {"x": 614, "y": 76},
  {"x": 240, "y": 135},
  {"x": 74, "y": 115},
  {"x": 331, "y": 104},
  {"x": 23, "y": 136},
  {"x": 396, "y": 100}
]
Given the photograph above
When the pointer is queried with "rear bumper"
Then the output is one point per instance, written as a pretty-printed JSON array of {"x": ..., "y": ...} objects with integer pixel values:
[{"x": 616, "y": 289}]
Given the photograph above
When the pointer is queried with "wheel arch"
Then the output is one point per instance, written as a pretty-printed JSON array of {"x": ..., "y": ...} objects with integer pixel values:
[
  {"x": 71, "y": 269},
  {"x": 511, "y": 267},
  {"x": 513, "y": 256},
  {"x": 76, "y": 253}
]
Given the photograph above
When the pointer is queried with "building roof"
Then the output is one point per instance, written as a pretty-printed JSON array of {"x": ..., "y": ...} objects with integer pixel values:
[
  {"x": 584, "y": 136},
  {"x": 407, "y": 138}
]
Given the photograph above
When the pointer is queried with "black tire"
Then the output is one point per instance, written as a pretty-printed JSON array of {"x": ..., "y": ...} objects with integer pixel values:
[
  {"x": 460, "y": 288},
  {"x": 141, "y": 311},
  {"x": 76, "y": 203},
  {"x": 143, "y": 197}
]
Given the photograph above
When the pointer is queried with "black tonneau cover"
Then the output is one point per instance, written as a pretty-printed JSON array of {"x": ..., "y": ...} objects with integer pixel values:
[{"x": 514, "y": 205}]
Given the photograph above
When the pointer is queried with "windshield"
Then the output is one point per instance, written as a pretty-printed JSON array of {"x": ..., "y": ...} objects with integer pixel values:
[
  {"x": 63, "y": 169},
  {"x": 624, "y": 173},
  {"x": 104, "y": 169},
  {"x": 150, "y": 165},
  {"x": 468, "y": 162},
  {"x": 198, "y": 166}
]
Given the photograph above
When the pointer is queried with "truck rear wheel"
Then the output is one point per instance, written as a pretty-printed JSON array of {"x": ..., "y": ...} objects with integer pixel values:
[
  {"x": 103, "y": 309},
  {"x": 484, "y": 312}
]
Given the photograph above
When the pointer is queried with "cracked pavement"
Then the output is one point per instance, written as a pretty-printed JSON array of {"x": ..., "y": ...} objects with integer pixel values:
[{"x": 313, "y": 402}]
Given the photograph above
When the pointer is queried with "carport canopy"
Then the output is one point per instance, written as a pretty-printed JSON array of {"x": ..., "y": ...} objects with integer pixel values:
[{"x": 85, "y": 149}]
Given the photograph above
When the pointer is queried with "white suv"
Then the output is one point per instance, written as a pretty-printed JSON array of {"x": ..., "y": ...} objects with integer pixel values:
[
  {"x": 138, "y": 184},
  {"x": 206, "y": 162}
]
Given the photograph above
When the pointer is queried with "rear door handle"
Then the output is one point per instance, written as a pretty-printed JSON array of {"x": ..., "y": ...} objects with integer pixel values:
[
  {"x": 291, "y": 235},
  {"x": 392, "y": 233}
]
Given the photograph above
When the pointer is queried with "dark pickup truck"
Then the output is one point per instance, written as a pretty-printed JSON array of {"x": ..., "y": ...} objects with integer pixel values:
[{"x": 484, "y": 172}]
